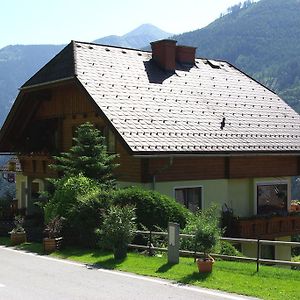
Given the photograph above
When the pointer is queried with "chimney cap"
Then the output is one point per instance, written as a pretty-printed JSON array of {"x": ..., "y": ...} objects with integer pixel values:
[{"x": 164, "y": 41}]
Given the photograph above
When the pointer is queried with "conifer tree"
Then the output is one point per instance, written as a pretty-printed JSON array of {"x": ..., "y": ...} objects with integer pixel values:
[{"x": 88, "y": 156}]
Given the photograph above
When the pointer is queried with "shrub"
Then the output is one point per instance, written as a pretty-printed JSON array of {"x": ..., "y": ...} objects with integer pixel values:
[
  {"x": 204, "y": 225},
  {"x": 87, "y": 215},
  {"x": 227, "y": 248},
  {"x": 54, "y": 227},
  {"x": 68, "y": 191},
  {"x": 80, "y": 202},
  {"x": 118, "y": 229},
  {"x": 18, "y": 225},
  {"x": 152, "y": 208}
]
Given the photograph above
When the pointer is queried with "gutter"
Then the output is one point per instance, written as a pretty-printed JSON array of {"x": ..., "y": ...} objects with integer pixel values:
[{"x": 216, "y": 155}]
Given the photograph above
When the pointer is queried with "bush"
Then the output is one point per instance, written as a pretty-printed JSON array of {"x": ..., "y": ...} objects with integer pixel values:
[
  {"x": 204, "y": 225},
  {"x": 68, "y": 191},
  {"x": 80, "y": 202},
  {"x": 118, "y": 229},
  {"x": 227, "y": 248},
  {"x": 88, "y": 215},
  {"x": 152, "y": 208}
]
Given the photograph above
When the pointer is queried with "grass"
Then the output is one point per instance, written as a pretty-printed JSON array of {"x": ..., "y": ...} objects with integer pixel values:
[{"x": 235, "y": 277}]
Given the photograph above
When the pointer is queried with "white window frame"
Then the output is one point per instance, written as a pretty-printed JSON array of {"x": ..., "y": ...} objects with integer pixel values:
[
  {"x": 273, "y": 182},
  {"x": 190, "y": 187}
]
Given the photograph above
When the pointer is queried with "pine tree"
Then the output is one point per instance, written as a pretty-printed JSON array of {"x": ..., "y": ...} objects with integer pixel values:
[{"x": 88, "y": 156}]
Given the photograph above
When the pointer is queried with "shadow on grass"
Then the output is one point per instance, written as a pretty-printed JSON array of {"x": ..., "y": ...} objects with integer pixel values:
[
  {"x": 31, "y": 247},
  {"x": 195, "y": 276},
  {"x": 109, "y": 264},
  {"x": 28, "y": 247},
  {"x": 164, "y": 268}
]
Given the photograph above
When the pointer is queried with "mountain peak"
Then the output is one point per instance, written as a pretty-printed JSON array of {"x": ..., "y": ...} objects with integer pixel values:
[
  {"x": 138, "y": 38},
  {"x": 148, "y": 29}
]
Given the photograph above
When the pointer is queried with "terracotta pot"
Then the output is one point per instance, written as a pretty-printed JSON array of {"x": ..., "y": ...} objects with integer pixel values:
[
  {"x": 18, "y": 238},
  {"x": 205, "y": 265},
  {"x": 51, "y": 245}
]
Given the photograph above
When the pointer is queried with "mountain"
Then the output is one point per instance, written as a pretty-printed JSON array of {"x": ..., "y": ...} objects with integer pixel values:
[
  {"x": 262, "y": 39},
  {"x": 17, "y": 64},
  {"x": 137, "y": 38}
]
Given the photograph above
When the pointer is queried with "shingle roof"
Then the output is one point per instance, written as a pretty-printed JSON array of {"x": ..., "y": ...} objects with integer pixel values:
[
  {"x": 157, "y": 111},
  {"x": 61, "y": 66}
]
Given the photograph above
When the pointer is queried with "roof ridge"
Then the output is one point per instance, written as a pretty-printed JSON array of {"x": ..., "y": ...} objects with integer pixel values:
[{"x": 112, "y": 46}]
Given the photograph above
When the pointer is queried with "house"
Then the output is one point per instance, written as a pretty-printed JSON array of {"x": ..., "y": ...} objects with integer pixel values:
[{"x": 196, "y": 129}]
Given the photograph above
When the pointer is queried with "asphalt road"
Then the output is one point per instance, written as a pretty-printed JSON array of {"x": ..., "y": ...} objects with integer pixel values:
[{"x": 25, "y": 276}]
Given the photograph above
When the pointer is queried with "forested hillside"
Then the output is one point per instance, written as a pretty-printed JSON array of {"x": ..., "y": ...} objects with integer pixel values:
[
  {"x": 17, "y": 64},
  {"x": 263, "y": 39}
]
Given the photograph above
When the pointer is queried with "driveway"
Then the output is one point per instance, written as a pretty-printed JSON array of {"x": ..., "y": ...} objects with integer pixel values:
[{"x": 29, "y": 276}]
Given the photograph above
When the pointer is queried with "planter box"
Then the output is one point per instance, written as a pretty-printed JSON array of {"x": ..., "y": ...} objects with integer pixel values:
[
  {"x": 51, "y": 245},
  {"x": 18, "y": 238}
]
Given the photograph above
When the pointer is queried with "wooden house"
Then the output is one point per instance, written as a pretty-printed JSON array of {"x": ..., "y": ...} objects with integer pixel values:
[{"x": 196, "y": 129}]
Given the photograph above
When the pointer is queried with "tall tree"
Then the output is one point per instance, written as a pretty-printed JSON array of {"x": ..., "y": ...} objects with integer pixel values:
[{"x": 88, "y": 156}]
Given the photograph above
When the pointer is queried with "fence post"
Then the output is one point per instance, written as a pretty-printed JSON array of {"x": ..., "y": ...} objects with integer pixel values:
[
  {"x": 257, "y": 254},
  {"x": 150, "y": 251},
  {"x": 173, "y": 243}
]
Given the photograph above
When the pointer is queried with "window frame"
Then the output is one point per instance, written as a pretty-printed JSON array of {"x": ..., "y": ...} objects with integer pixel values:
[{"x": 190, "y": 187}]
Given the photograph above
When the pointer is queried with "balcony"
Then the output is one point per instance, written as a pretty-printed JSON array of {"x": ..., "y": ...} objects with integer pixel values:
[{"x": 268, "y": 227}]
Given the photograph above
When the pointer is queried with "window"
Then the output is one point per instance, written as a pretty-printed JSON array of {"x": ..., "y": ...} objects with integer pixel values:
[
  {"x": 272, "y": 198},
  {"x": 190, "y": 197}
]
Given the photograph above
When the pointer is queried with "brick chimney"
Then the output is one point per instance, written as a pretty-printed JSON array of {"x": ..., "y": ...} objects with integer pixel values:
[
  {"x": 185, "y": 54},
  {"x": 164, "y": 53}
]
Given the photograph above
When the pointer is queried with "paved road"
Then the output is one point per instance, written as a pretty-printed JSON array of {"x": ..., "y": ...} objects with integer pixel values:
[{"x": 25, "y": 276}]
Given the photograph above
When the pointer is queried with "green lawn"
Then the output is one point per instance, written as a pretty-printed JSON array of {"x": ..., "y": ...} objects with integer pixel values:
[{"x": 236, "y": 277}]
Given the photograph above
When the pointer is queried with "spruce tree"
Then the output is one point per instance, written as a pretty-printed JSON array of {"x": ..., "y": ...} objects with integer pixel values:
[{"x": 88, "y": 156}]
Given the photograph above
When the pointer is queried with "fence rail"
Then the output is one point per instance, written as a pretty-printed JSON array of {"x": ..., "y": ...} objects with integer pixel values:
[{"x": 150, "y": 248}]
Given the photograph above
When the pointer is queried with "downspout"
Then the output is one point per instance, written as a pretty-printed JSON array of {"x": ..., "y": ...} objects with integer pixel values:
[{"x": 158, "y": 172}]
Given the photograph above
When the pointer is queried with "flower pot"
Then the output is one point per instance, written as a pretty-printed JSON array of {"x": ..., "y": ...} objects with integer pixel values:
[
  {"x": 52, "y": 244},
  {"x": 18, "y": 238},
  {"x": 205, "y": 265}
]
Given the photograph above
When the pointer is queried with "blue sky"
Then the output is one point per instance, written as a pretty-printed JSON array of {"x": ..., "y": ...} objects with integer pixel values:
[{"x": 59, "y": 21}]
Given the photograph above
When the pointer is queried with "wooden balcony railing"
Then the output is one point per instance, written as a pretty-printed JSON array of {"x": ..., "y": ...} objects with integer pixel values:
[{"x": 268, "y": 227}]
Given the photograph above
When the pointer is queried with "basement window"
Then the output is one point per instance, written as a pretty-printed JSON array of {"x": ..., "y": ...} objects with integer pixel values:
[
  {"x": 272, "y": 198},
  {"x": 190, "y": 197}
]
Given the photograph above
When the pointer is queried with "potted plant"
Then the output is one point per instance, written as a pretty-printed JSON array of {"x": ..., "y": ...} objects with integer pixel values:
[
  {"x": 18, "y": 234},
  {"x": 118, "y": 229},
  {"x": 53, "y": 230},
  {"x": 205, "y": 227}
]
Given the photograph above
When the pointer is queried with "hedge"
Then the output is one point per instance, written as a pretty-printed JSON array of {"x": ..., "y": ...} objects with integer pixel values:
[{"x": 152, "y": 208}]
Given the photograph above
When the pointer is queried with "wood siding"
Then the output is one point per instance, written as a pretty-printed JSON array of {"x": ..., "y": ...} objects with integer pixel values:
[
  {"x": 201, "y": 168},
  {"x": 129, "y": 167},
  {"x": 72, "y": 108}
]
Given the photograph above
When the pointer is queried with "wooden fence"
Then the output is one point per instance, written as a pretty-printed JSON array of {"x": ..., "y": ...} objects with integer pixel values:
[{"x": 258, "y": 260}]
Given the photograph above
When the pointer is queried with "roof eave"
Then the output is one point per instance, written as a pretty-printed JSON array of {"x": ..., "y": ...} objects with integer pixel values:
[{"x": 150, "y": 154}]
